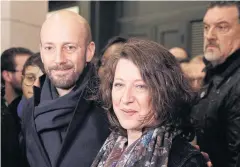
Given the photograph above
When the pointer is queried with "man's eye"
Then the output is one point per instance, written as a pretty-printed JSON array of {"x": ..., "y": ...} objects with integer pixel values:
[
  {"x": 205, "y": 28},
  {"x": 70, "y": 48},
  {"x": 48, "y": 47},
  {"x": 222, "y": 28}
]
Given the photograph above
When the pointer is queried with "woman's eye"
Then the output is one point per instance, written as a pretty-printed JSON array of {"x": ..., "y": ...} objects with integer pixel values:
[
  {"x": 118, "y": 85},
  {"x": 141, "y": 87}
]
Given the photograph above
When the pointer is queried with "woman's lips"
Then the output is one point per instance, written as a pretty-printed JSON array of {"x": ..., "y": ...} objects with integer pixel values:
[{"x": 129, "y": 112}]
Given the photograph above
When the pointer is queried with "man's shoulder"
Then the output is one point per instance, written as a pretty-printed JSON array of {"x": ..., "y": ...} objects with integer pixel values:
[
  {"x": 235, "y": 79},
  {"x": 182, "y": 152}
]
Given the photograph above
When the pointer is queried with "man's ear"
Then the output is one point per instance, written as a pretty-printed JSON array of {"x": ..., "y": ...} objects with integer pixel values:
[
  {"x": 90, "y": 51},
  {"x": 6, "y": 76}
]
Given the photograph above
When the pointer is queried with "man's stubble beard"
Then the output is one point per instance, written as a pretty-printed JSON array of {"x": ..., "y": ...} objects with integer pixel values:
[{"x": 65, "y": 81}]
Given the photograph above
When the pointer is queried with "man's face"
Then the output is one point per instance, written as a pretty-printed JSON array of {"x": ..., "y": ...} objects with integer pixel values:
[
  {"x": 221, "y": 33},
  {"x": 64, "y": 52},
  {"x": 16, "y": 76}
]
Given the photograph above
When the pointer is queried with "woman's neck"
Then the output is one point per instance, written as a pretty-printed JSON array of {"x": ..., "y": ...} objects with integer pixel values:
[{"x": 133, "y": 135}]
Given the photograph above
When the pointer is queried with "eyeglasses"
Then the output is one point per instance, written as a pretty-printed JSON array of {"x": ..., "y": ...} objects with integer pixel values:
[
  {"x": 13, "y": 70},
  {"x": 29, "y": 79}
]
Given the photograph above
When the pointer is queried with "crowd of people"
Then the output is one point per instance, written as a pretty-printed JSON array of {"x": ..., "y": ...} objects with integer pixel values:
[{"x": 137, "y": 104}]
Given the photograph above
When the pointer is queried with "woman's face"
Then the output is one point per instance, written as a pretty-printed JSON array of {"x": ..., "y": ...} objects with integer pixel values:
[
  {"x": 31, "y": 77},
  {"x": 131, "y": 97}
]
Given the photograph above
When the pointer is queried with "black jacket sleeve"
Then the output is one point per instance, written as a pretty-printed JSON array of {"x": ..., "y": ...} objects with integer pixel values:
[
  {"x": 195, "y": 161},
  {"x": 233, "y": 126}
]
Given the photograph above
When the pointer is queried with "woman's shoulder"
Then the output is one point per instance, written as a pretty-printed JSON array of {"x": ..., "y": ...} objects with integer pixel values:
[{"x": 183, "y": 154}]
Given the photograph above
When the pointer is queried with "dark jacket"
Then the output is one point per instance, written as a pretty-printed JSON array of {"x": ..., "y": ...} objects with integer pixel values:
[
  {"x": 217, "y": 113},
  {"x": 12, "y": 108},
  {"x": 84, "y": 137},
  {"x": 183, "y": 154},
  {"x": 10, "y": 149}
]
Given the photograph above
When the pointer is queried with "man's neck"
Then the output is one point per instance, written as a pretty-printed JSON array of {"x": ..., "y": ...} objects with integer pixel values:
[
  {"x": 63, "y": 92},
  {"x": 10, "y": 94}
]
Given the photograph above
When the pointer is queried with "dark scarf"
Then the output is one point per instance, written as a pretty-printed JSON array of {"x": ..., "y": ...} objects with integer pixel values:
[
  {"x": 151, "y": 150},
  {"x": 54, "y": 114}
]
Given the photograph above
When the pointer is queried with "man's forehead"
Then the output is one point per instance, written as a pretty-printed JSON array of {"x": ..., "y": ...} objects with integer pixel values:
[
  {"x": 20, "y": 59},
  {"x": 63, "y": 34},
  {"x": 221, "y": 14}
]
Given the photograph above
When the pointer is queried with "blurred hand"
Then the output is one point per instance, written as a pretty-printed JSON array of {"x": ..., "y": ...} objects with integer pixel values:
[{"x": 206, "y": 156}]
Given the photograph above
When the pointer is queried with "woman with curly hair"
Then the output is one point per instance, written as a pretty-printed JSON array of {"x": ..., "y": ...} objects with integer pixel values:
[{"x": 148, "y": 101}]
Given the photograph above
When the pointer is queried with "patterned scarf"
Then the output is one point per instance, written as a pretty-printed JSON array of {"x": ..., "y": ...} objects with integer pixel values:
[{"x": 151, "y": 150}]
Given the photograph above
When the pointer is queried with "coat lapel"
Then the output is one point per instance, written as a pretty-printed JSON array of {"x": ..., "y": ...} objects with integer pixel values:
[
  {"x": 34, "y": 131},
  {"x": 80, "y": 114}
]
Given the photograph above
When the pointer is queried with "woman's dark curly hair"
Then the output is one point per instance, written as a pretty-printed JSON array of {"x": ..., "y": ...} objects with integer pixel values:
[{"x": 171, "y": 93}]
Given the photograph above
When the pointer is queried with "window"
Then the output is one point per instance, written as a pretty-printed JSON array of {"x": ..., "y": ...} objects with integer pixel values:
[{"x": 196, "y": 38}]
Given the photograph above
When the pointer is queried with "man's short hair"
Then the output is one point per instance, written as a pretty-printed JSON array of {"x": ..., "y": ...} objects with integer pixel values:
[
  {"x": 225, "y": 4},
  {"x": 7, "y": 58}
]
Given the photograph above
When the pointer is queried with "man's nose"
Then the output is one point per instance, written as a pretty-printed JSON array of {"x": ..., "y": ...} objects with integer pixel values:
[
  {"x": 210, "y": 34},
  {"x": 37, "y": 82},
  {"x": 60, "y": 56}
]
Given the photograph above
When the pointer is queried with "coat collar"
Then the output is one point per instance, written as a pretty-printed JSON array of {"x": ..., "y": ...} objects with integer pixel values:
[
  {"x": 80, "y": 113},
  {"x": 221, "y": 72}
]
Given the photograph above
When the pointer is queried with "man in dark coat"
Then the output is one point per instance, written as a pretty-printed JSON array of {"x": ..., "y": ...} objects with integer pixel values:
[
  {"x": 62, "y": 126},
  {"x": 10, "y": 149},
  {"x": 12, "y": 62},
  {"x": 217, "y": 114}
]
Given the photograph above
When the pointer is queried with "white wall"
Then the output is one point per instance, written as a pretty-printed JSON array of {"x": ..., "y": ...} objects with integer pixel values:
[{"x": 21, "y": 22}]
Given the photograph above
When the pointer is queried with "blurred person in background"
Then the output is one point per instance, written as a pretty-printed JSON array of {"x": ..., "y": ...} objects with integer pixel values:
[
  {"x": 12, "y": 61},
  {"x": 113, "y": 44},
  {"x": 179, "y": 53},
  {"x": 194, "y": 71},
  {"x": 32, "y": 71},
  {"x": 32, "y": 79},
  {"x": 217, "y": 113}
]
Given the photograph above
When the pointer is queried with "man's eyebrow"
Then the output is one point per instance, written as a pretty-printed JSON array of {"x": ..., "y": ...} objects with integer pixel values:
[
  {"x": 222, "y": 22},
  {"x": 49, "y": 43},
  {"x": 219, "y": 22}
]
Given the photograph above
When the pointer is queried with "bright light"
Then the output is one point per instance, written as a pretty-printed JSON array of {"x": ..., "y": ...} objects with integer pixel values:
[{"x": 73, "y": 9}]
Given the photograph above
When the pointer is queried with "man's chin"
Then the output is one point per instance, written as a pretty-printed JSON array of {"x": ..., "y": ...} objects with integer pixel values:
[{"x": 63, "y": 83}]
